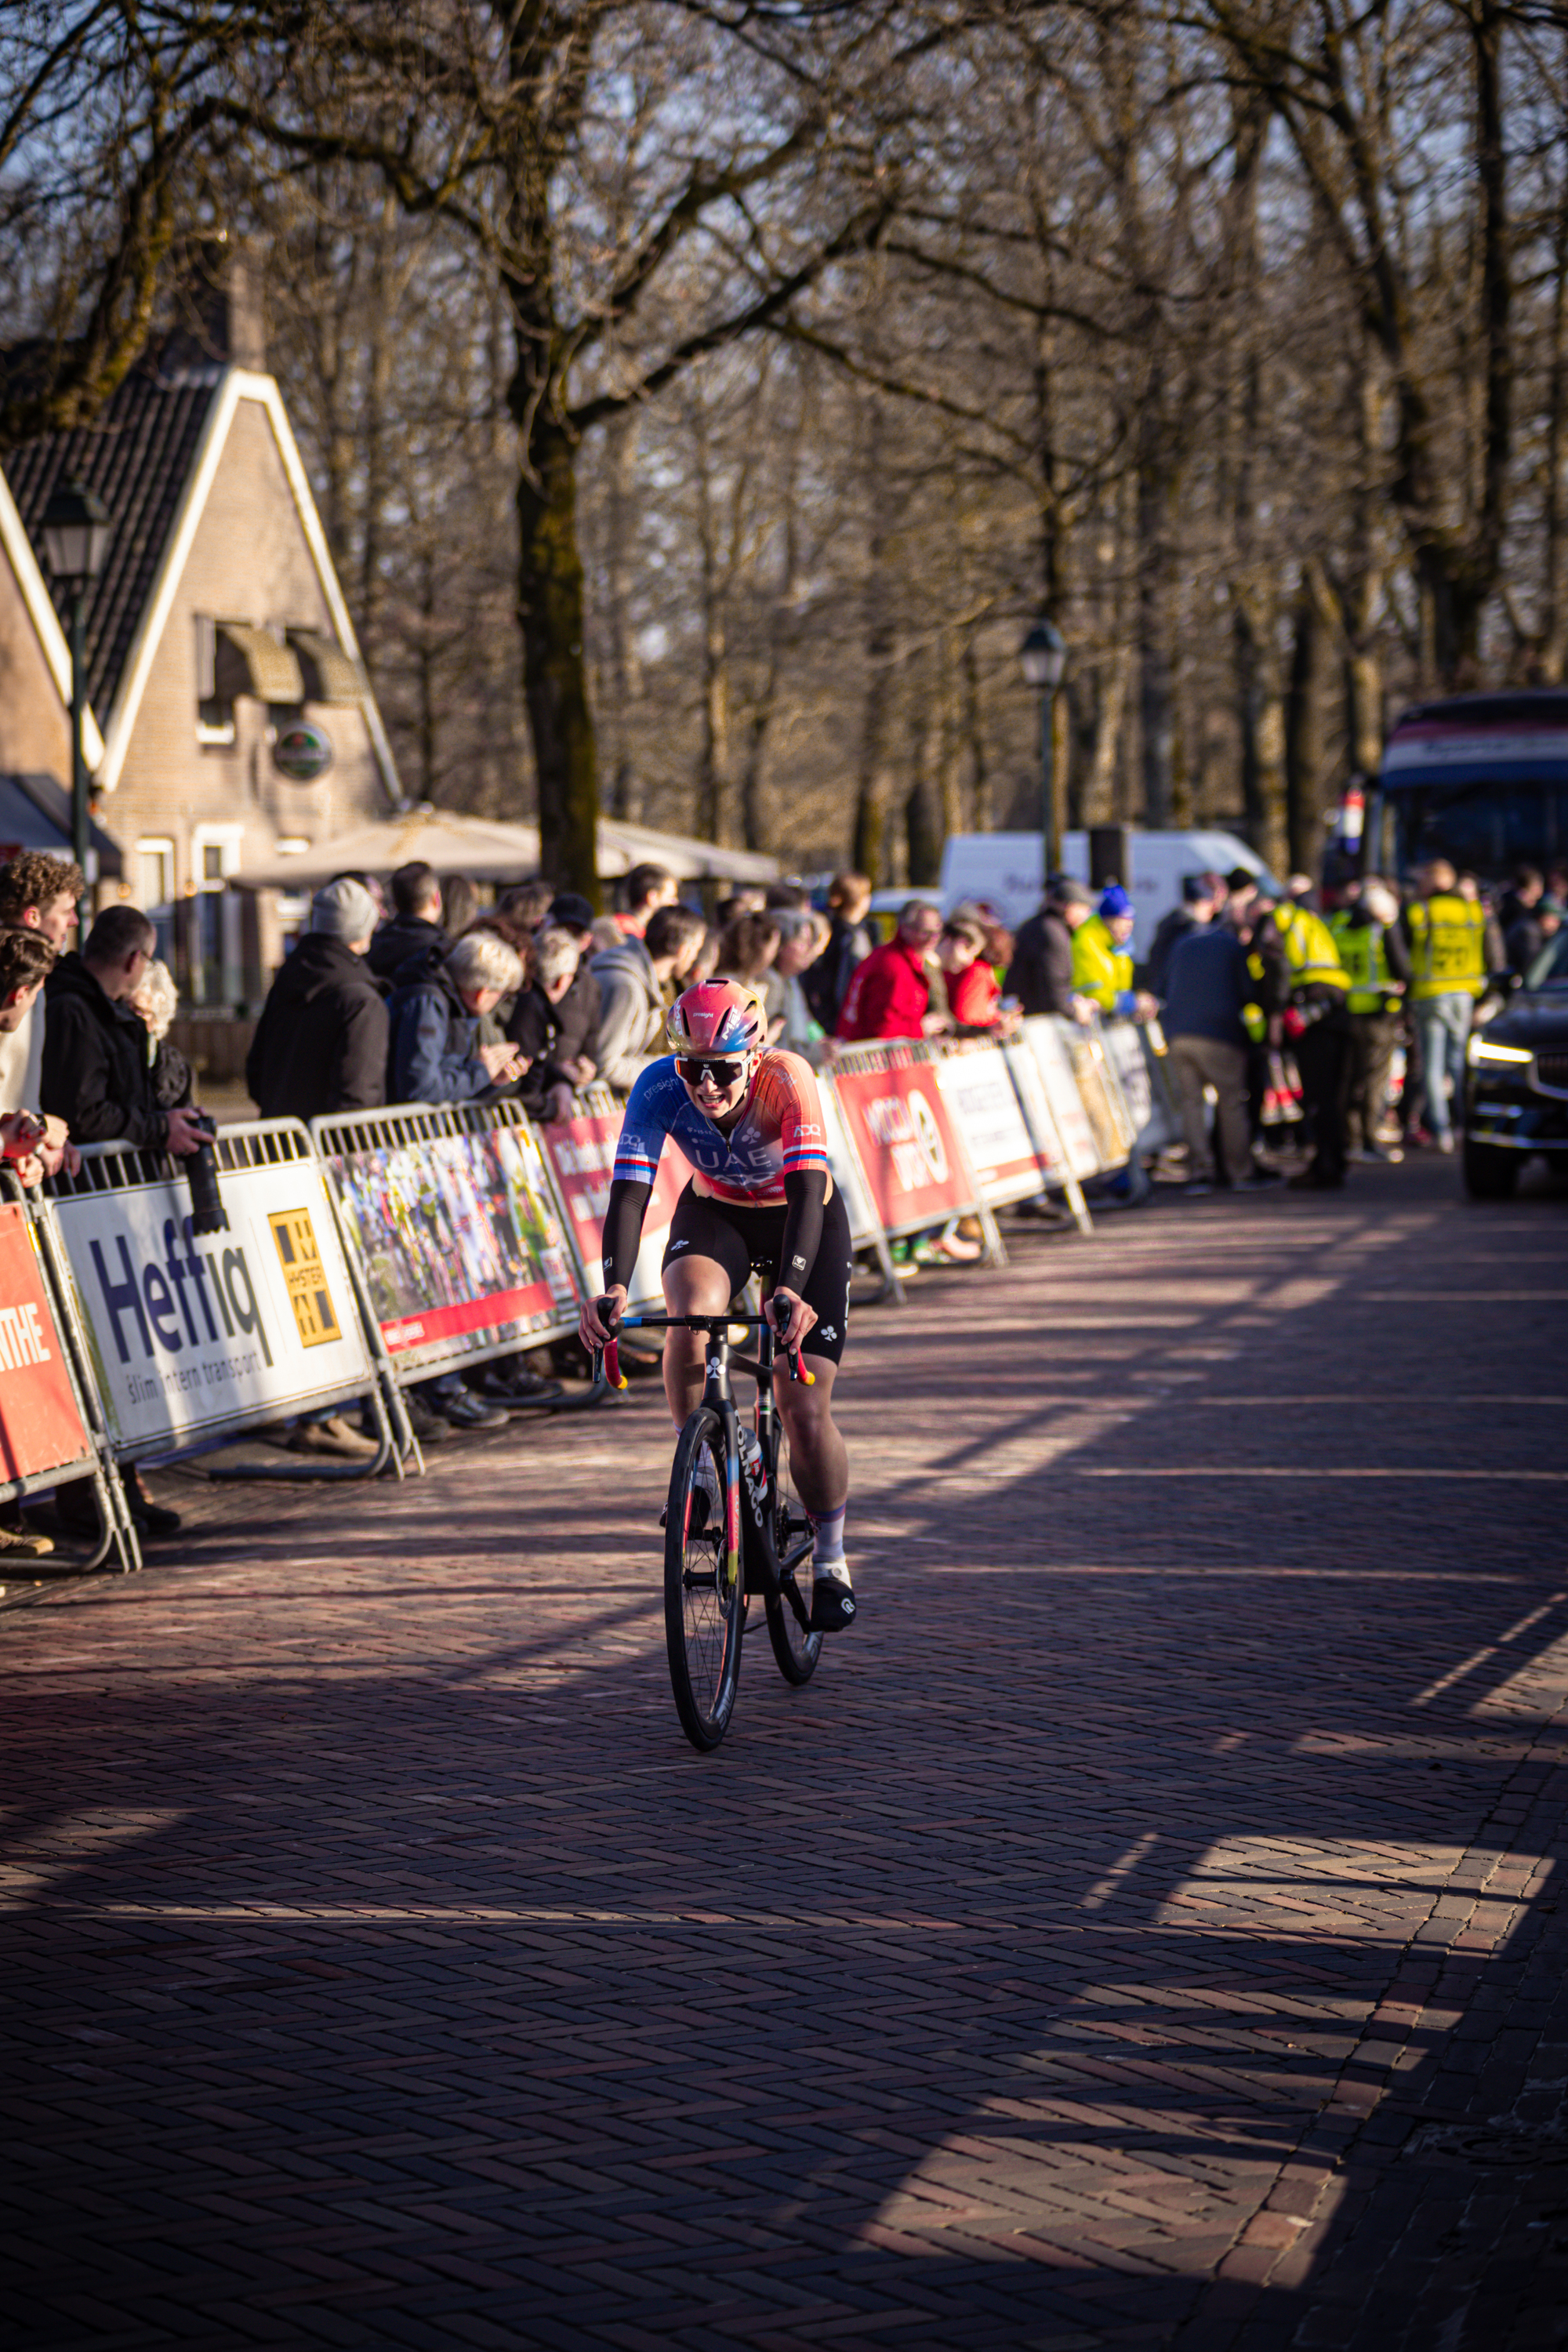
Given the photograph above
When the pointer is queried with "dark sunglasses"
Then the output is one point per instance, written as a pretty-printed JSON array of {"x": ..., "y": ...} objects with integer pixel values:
[{"x": 724, "y": 1073}]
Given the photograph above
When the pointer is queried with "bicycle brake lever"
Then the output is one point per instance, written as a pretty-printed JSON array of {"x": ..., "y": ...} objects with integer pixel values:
[
  {"x": 606, "y": 1366},
  {"x": 792, "y": 1355}
]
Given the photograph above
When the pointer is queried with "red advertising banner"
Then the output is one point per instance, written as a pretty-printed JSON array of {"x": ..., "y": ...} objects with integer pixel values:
[
  {"x": 467, "y": 1314},
  {"x": 40, "y": 1428},
  {"x": 582, "y": 1154},
  {"x": 909, "y": 1146}
]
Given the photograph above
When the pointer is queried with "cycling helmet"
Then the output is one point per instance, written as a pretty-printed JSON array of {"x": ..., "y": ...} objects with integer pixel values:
[{"x": 717, "y": 1016}]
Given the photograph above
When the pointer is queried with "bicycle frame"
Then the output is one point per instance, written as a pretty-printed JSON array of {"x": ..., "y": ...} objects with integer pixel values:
[{"x": 751, "y": 1548}]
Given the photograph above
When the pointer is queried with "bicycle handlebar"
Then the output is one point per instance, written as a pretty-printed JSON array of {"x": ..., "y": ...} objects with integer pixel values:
[{"x": 606, "y": 1360}]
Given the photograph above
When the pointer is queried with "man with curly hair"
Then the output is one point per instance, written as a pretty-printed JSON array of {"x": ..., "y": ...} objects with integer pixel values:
[{"x": 37, "y": 893}]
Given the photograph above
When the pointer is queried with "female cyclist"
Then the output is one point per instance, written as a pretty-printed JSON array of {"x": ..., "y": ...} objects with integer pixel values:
[{"x": 750, "y": 1121}]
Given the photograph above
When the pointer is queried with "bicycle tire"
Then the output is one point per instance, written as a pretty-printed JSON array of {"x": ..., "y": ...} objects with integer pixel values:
[
  {"x": 795, "y": 1653},
  {"x": 704, "y": 1605}
]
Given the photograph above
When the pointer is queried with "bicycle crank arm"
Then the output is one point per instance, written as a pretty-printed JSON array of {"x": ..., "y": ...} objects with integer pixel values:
[{"x": 791, "y": 1591}]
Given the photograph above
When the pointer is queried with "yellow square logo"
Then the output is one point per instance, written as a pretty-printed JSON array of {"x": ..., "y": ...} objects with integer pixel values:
[{"x": 304, "y": 1278}]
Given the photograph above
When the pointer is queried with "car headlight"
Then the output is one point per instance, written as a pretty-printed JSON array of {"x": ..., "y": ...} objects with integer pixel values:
[{"x": 1481, "y": 1050}]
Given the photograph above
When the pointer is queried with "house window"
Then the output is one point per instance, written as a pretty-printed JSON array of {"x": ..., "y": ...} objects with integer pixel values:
[
  {"x": 155, "y": 891},
  {"x": 154, "y": 875},
  {"x": 215, "y": 717},
  {"x": 217, "y": 947}
]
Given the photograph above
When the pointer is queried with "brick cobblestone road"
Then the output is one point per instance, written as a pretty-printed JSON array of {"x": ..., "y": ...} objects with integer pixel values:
[{"x": 1144, "y": 1931}]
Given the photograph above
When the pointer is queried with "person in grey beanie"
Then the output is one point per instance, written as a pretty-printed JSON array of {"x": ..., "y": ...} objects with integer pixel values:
[{"x": 320, "y": 1044}]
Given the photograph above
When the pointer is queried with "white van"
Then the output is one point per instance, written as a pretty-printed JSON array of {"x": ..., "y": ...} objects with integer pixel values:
[{"x": 1007, "y": 869}]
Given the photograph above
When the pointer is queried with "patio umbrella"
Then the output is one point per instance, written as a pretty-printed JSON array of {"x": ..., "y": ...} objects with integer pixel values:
[{"x": 489, "y": 851}]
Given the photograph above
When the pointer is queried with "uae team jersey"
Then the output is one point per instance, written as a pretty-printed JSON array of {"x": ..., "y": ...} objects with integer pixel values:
[{"x": 779, "y": 1132}]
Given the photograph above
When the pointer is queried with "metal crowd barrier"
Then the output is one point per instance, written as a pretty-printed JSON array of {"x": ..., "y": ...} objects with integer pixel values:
[
  {"x": 195, "y": 1338},
  {"x": 459, "y": 1231},
  {"x": 374, "y": 1250},
  {"x": 52, "y": 1428}
]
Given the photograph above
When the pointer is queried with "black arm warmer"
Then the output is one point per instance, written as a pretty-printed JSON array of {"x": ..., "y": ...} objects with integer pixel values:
[
  {"x": 623, "y": 1229},
  {"x": 806, "y": 1192}
]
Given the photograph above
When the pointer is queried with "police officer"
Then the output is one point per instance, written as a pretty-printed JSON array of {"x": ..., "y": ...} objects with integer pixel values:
[
  {"x": 1308, "y": 988},
  {"x": 1452, "y": 946},
  {"x": 1373, "y": 951}
]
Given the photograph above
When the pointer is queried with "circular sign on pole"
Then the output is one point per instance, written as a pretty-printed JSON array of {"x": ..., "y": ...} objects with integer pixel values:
[{"x": 301, "y": 751}]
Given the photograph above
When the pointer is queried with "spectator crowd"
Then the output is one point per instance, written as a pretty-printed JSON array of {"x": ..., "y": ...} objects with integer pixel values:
[{"x": 421, "y": 995}]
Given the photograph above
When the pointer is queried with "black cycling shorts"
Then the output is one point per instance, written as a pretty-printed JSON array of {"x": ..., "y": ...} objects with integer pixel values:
[{"x": 745, "y": 1240}]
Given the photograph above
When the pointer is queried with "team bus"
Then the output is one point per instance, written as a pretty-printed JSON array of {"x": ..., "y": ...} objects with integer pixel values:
[{"x": 1479, "y": 779}]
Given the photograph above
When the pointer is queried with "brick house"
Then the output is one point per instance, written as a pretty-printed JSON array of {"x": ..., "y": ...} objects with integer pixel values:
[{"x": 231, "y": 718}]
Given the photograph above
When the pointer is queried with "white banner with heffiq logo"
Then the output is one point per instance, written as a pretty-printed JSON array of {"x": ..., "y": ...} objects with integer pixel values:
[{"x": 193, "y": 1333}]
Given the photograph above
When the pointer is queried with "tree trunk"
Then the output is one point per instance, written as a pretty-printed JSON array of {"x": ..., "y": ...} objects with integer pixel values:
[
  {"x": 550, "y": 615},
  {"x": 1260, "y": 711},
  {"x": 428, "y": 695},
  {"x": 982, "y": 814},
  {"x": 621, "y": 666},
  {"x": 1091, "y": 779},
  {"x": 1156, "y": 696},
  {"x": 714, "y": 760},
  {"x": 1304, "y": 734},
  {"x": 923, "y": 833},
  {"x": 1553, "y": 632},
  {"x": 873, "y": 783}
]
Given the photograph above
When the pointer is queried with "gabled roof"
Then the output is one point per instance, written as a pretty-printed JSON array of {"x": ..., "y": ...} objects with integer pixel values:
[
  {"x": 138, "y": 457},
  {"x": 152, "y": 457},
  {"x": 18, "y": 549}
]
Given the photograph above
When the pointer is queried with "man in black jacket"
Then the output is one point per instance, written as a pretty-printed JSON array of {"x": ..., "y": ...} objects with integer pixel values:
[
  {"x": 1199, "y": 904},
  {"x": 415, "y": 924},
  {"x": 1040, "y": 974},
  {"x": 320, "y": 1043},
  {"x": 576, "y": 1047},
  {"x": 96, "y": 1075}
]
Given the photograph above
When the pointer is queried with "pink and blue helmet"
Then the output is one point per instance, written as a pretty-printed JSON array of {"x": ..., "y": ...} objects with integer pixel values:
[{"x": 717, "y": 1016}]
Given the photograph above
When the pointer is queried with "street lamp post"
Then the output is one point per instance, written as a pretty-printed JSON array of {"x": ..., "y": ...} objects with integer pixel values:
[
  {"x": 77, "y": 529},
  {"x": 1043, "y": 657}
]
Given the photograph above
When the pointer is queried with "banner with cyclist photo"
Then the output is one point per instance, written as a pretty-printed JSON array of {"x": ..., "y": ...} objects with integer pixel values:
[
  {"x": 978, "y": 1086},
  {"x": 459, "y": 1239},
  {"x": 1045, "y": 1039},
  {"x": 1131, "y": 1048},
  {"x": 1099, "y": 1094},
  {"x": 582, "y": 1156},
  {"x": 906, "y": 1136}
]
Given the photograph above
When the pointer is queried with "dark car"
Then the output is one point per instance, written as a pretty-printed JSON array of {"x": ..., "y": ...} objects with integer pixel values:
[{"x": 1516, "y": 1081}]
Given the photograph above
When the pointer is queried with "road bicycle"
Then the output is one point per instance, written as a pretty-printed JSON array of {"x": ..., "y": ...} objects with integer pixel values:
[{"x": 732, "y": 1530}]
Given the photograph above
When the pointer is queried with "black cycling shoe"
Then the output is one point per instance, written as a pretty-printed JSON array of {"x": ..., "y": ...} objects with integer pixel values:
[{"x": 833, "y": 1605}]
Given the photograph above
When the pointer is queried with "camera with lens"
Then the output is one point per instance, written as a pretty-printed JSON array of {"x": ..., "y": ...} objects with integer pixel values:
[{"x": 208, "y": 1214}]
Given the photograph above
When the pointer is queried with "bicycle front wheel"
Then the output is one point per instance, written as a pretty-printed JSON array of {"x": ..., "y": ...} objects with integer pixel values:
[
  {"x": 704, "y": 1586},
  {"x": 794, "y": 1649}
]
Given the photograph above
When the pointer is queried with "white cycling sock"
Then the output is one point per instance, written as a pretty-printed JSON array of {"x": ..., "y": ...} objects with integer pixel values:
[{"x": 828, "y": 1529}]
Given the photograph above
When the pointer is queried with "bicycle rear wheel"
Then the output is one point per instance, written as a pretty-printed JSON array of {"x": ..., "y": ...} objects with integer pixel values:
[
  {"x": 704, "y": 1592},
  {"x": 795, "y": 1651}
]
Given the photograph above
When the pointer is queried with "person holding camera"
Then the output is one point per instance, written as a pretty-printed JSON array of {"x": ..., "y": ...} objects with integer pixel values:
[
  {"x": 100, "y": 1078},
  {"x": 96, "y": 1075}
]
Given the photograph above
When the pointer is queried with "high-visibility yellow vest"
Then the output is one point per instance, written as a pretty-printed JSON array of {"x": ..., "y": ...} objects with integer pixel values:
[
  {"x": 1099, "y": 968},
  {"x": 1309, "y": 949},
  {"x": 1365, "y": 960},
  {"x": 1447, "y": 946},
  {"x": 1254, "y": 1019}
]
